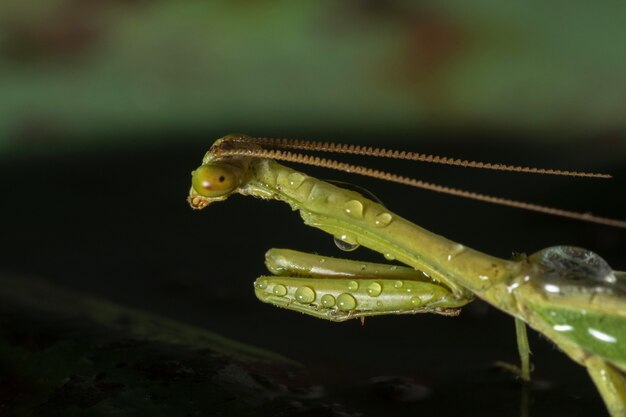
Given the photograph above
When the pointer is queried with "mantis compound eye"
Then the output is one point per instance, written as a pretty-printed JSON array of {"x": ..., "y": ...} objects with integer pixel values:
[{"x": 215, "y": 179}]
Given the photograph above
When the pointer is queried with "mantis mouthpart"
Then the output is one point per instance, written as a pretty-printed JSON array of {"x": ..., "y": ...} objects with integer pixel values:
[{"x": 569, "y": 294}]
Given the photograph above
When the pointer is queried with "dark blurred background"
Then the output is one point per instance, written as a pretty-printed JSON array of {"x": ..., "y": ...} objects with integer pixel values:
[{"x": 107, "y": 106}]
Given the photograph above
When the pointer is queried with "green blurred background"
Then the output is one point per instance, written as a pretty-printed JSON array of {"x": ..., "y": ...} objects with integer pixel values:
[
  {"x": 72, "y": 70},
  {"x": 106, "y": 107}
]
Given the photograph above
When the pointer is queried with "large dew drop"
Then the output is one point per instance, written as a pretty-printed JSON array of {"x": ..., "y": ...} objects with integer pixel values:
[
  {"x": 573, "y": 267},
  {"x": 280, "y": 290},
  {"x": 383, "y": 219},
  {"x": 305, "y": 295},
  {"x": 354, "y": 209},
  {"x": 353, "y": 285},
  {"x": 346, "y": 302},
  {"x": 327, "y": 300},
  {"x": 374, "y": 289},
  {"x": 344, "y": 245}
]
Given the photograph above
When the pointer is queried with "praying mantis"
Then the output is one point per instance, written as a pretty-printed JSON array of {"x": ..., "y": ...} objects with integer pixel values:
[{"x": 569, "y": 294}]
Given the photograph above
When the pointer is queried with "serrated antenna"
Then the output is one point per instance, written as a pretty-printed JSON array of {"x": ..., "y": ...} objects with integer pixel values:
[
  {"x": 331, "y": 147},
  {"x": 387, "y": 176}
]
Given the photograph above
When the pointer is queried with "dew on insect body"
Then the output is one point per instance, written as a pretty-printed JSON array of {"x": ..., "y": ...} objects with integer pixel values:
[
  {"x": 327, "y": 300},
  {"x": 455, "y": 251},
  {"x": 305, "y": 295},
  {"x": 346, "y": 243},
  {"x": 389, "y": 257},
  {"x": 295, "y": 179},
  {"x": 398, "y": 284},
  {"x": 374, "y": 289},
  {"x": 354, "y": 209},
  {"x": 280, "y": 290},
  {"x": 563, "y": 327},
  {"x": 602, "y": 336},
  {"x": 379, "y": 304},
  {"x": 393, "y": 268},
  {"x": 416, "y": 301},
  {"x": 383, "y": 219},
  {"x": 346, "y": 302},
  {"x": 361, "y": 190},
  {"x": 569, "y": 268},
  {"x": 353, "y": 285},
  {"x": 262, "y": 284}
]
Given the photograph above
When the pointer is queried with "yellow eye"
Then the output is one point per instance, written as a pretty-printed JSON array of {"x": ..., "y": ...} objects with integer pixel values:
[{"x": 215, "y": 179}]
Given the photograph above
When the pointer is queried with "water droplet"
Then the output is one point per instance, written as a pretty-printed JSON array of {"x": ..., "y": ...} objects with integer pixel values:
[
  {"x": 577, "y": 267},
  {"x": 363, "y": 267},
  {"x": 455, "y": 251},
  {"x": 383, "y": 219},
  {"x": 327, "y": 300},
  {"x": 398, "y": 284},
  {"x": 280, "y": 290},
  {"x": 393, "y": 268},
  {"x": 416, "y": 301},
  {"x": 354, "y": 208},
  {"x": 374, "y": 289},
  {"x": 363, "y": 191},
  {"x": 261, "y": 284},
  {"x": 295, "y": 179},
  {"x": 563, "y": 327},
  {"x": 390, "y": 257},
  {"x": 345, "y": 243},
  {"x": 322, "y": 260},
  {"x": 305, "y": 295},
  {"x": 601, "y": 336},
  {"x": 379, "y": 304},
  {"x": 353, "y": 285},
  {"x": 346, "y": 302}
]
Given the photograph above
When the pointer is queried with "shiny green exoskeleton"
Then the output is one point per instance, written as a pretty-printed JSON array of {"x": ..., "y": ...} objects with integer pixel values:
[{"x": 568, "y": 294}]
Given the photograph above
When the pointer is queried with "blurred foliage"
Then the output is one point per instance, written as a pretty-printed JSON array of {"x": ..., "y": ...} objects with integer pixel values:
[{"x": 81, "y": 69}]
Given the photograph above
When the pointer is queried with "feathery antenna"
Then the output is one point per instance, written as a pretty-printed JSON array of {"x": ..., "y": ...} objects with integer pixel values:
[
  {"x": 287, "y": 156},
  {"x": 331, "y": 147}
]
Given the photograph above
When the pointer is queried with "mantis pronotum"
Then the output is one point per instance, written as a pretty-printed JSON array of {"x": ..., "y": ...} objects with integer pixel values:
[{"x": 569, "y": 294}]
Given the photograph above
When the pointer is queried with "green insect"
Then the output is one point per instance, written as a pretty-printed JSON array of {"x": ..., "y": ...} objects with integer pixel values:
[{"x": 568, "y": 294}]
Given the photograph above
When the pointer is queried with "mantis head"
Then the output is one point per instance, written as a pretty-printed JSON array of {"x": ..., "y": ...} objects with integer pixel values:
[
  {"x": 218, "y": 177},
  {"x": 212, "y": 182}
]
